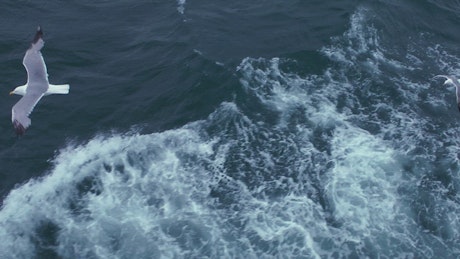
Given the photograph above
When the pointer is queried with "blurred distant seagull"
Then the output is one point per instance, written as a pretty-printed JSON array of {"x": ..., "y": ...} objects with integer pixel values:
[
  {"x": 453, "y": 81},
  {"x": 36, "y": 87}
]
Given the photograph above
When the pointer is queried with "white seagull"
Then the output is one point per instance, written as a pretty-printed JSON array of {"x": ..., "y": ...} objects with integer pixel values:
[
  {"x": 453, "y": 80},
  {"x": 36, "y": 87}
]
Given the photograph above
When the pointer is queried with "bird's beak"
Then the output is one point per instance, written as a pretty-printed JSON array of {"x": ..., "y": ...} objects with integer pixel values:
[{"x": 12, "y": 92}]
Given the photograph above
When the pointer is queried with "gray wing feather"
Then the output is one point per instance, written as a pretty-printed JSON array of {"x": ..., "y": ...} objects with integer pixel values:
[
  {"x": 37, "y": 84},
  {"x": 37, "y": 74}
]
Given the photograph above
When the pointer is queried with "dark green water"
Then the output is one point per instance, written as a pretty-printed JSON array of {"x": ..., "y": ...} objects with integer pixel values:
[{"x": 198, "y": 129}]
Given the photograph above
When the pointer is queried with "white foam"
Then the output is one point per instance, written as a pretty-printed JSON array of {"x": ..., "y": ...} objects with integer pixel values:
[
  {"x": 138, "y": 188},
  {"x": 362, "y": 185}
]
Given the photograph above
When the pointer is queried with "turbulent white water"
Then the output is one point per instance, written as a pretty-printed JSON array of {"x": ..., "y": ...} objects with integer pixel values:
[{"x": 337, "y": 164}]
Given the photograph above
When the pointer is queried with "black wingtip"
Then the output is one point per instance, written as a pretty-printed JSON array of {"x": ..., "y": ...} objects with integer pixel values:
[
  {"x": 18, "y": 128},
  {"x": 458, "y": 105},
  {"x": 38, "y": 35}
]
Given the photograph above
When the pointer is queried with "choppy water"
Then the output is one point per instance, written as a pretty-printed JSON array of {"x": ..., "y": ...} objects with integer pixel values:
[{"x": 273, "y": 129}]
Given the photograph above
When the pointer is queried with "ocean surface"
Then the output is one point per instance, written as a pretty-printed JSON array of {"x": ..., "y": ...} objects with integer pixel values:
[{"x": 233, "y": 129}]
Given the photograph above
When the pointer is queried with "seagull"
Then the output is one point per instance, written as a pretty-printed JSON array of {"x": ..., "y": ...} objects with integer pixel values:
[
  {"x": 453, "y": 81},
  {"x": 36, "y": 87}
]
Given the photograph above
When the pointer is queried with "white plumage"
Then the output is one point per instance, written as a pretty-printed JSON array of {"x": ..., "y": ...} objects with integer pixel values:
[{"x": 37, "y": 85}]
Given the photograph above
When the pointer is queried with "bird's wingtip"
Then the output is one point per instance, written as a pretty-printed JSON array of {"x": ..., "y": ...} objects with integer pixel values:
[
  {"x": 19, "y": 128},
  {"x": 440, "y": 76},
  {"x": 38, "y": 34}
]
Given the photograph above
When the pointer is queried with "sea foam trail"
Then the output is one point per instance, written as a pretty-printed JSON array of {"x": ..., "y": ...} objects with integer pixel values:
[
  {"x": 168, "y": 194},
  {"x": 226, "y": 186}
]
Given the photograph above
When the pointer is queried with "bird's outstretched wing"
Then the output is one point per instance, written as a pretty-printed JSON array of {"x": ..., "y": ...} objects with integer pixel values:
[
  {"x": 21, "y": 110},
  {"x": 446, "y": 77},
  {"x": 37, "y": 84},
  {"x": 37, "y": 75}
]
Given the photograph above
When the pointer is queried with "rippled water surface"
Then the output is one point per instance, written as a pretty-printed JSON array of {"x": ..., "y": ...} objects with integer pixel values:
[{"x": 233, "y": 129}]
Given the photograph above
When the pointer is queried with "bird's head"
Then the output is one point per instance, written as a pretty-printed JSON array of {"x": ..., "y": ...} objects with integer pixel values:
[
  {"x": 447, "y": 79},
  {"x": 15, "y": 91},
  {"x": 20, "y": 90}
]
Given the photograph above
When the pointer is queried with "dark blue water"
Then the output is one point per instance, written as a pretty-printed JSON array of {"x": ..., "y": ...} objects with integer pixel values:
[{"x": 233, "y": 129}]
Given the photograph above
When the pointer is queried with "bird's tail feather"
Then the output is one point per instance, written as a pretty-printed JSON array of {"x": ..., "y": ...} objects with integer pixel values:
[{"x": 58, "y": 89}]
